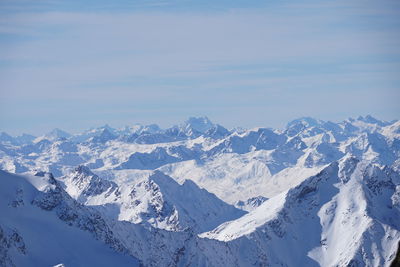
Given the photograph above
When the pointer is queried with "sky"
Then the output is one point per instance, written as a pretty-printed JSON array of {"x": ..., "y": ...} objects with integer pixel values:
[{"x": 81, "y": 64}]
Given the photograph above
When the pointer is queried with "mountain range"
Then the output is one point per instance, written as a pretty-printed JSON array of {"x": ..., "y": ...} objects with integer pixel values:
[{"x": 316, "y": 193}]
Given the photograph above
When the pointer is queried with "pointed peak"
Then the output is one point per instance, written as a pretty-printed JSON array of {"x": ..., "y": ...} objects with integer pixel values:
[
  {"x": 106, "y": 131},
  {"x": 371, "y": 120},
  {"x": 53, "y": 135},
  {"x": 81, "y": 169},
  {"x": 56, "y": 132},
  {"x": 151, "y": 129},
  {"x": 160, "y": 178},
  {"x": 130, "y": 129},
  {"x": 107, "y": 127},
  {"x": 217, "y": 131},
  {"x": 199, "y": 124},
  {"x": 95, "y": 130}
]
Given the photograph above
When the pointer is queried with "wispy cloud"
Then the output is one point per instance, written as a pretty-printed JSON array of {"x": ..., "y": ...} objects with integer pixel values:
[{"x": 152, "y": 55}]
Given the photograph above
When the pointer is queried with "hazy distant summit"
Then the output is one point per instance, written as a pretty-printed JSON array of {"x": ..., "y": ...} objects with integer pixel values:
[{"x": 199, "y": 125}]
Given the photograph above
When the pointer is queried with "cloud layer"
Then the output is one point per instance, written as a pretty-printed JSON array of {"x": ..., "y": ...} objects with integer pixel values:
[{"x": 240, "y": 66}]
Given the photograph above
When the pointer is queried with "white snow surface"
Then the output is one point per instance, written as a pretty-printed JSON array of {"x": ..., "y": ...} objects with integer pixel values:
[
  {"x": 32, "y": 236},
  {"x": 155, "y": 199},
  {"x": 348, "y": 213}
]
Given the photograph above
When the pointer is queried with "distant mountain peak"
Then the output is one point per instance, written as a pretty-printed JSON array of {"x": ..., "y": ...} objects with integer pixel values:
[
  {"x": 53, "y": 135},
  {"x": 58, "y": 133},
  {"x": 83, "y": 170},
  {"x": 372, "y": 120},
  {"x": 306, "y": 121},
  {"x": 199, "y": 124},
  {"x": 151, "y": 128},
  {"x": 5, "y": 137}
]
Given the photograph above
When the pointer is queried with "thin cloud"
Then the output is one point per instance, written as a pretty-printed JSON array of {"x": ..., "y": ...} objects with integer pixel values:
[{"x": 192, "y": 58}]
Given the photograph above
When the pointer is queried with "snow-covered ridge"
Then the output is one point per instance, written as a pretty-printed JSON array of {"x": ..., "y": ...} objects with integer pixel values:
[
  {"x": 42, "y": 225},
  {"x": 156, "y": 200},
  {"x": 197, "y": 194},
  {"x": 306, "y": 142},
  {"x": 346, "y": 214}
]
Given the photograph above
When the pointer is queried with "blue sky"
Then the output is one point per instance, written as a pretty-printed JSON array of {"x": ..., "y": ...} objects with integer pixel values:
[{"x": 78, "y": 64}]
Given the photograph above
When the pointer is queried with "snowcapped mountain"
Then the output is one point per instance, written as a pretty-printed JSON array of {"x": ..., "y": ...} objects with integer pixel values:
[
  {"x": 200, "y": 124},
  {"x": 347, "y": 214},
  {"x": 53, "y": 136},
  {"x": 197, "y": 194},
  {"x": 194, "y": 127},
  {"x": 24, "y": 139},
  {"x": 17, "y": 140},
  {"x": 156, "y": 200},
  {"x": 6, "y": 138},
  {"x": 96, "y": 135},
  {"x": 42, "y": 225},
  {"x": 148, "y": 161}
]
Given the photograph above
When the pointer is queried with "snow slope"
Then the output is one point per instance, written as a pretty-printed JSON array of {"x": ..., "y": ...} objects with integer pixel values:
[
  {"x": 40, "y": 226},
  {"x": 155, "y": 199},
  {"x": 348, "y": 214}
]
